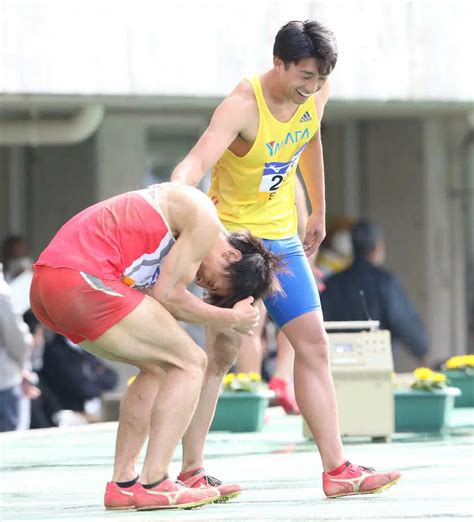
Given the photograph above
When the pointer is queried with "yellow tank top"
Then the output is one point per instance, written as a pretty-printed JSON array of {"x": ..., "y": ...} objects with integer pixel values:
[{"x": 257, "y": 191}]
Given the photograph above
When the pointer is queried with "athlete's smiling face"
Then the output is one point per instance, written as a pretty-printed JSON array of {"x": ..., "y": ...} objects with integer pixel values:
[{"x": 300, "y": 81}]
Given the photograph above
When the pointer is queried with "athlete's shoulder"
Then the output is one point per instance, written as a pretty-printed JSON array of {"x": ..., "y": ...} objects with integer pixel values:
[
  {"x": 243, "y": 96},
  {"x": 189, "y": 200},
  {"x": 237, "y": 111}
]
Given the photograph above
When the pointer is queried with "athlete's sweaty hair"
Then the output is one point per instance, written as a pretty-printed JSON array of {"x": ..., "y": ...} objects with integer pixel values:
[
  {"x": 253, "y": 275},
  {"x": 308, "y": 39}
]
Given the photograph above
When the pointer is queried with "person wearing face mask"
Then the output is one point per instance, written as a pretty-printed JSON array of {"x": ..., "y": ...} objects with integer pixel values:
[
  {"x": 384, "y": 296},
  {"x": 15, "y": 347}
]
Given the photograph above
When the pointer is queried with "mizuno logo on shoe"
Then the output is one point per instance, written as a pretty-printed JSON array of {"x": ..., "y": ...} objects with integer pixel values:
[
  {"x": 126, "y": 493},
  {"x": 356, "y": 482},
  {"x": 306, "y": 117},
  {"x": 172, "y": 496}
]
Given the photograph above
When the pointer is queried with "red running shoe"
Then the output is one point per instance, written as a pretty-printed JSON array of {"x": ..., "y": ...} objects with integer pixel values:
[
  {"x": 283, "y": 397},
  {"x": 120, "y": 498},
  {"x": 358, "y": 480},
  {"x": 197, "y": 478},
  {"x": 173, "y": 495}
]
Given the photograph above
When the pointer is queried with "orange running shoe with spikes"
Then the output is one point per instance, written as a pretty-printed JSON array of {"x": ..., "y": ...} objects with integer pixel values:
[
  {"x": 197, "y": 478},
  {"x": 117, "y": 497},
  {"x": 357, "y": 480},
  {"x": 165, "y": 495}
]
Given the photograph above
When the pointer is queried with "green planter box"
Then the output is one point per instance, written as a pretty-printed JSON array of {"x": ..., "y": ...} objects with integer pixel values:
[
  {"x": 423, "y": 411},
  {"x": 465, "y": 382},
  {"x": 241, "y": 411}
]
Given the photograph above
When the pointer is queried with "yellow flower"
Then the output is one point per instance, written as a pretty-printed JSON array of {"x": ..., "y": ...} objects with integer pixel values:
[
  {"x": 242, "y": 376},
  {"x": 454, "y": 362},
  {"x": 255, "y": 376},
  {"x": 228, "y": 378},
  {"x": 423, "y": 374},
  {"x": 438, "y": 377},
  {"x": 131, "y": 380}
]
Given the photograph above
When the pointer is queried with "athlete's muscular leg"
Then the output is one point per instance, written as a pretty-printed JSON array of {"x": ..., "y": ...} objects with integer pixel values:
[
  {"x": 135, "y": 413},
  {"x": 134, "y": 427},
  {"x": 151, "y": 336},
  {"x": 222, "y": 350},
  {"x": 315, "y": 393}
]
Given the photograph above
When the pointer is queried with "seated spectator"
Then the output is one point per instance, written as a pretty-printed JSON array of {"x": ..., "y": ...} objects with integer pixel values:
[
  {"x": 74, "y": 375},
  {"x": 382, "y": 298},
  {"x": 15, "y": 345},
  {"x": 45, "y": 406}
]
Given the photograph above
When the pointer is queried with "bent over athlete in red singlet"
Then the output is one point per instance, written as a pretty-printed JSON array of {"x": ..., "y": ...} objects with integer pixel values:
[
  {"x": 102, "y": 251},
  {"x": 114, "y": 278}
]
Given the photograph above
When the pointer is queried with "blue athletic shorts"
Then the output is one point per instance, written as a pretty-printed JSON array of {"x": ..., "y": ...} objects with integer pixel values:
[{"x": 300, "y": 292}]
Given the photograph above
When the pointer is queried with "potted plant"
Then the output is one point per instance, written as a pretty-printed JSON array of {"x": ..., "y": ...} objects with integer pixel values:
[
  {"x": 459, "y": 371},
  {"x": 242, "y": 403},
  {"x": 426, "y": 404}
]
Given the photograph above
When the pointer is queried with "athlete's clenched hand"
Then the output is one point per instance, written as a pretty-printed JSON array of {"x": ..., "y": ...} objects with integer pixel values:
[{"x": 246, "y": 316}]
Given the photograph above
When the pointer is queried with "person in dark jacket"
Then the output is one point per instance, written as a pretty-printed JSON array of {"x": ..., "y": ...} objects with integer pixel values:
[
  {"x": 74, "y": 375},
  {"x": 366, "y": 290}
]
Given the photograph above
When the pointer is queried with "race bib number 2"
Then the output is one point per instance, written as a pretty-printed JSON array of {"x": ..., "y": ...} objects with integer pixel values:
[
  {"x": 271, "y": 182},
  {"x": 274, "y": 174}
]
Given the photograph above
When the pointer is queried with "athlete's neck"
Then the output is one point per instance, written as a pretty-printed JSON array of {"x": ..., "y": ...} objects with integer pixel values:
[
  {"x": 274, "y": 93},
  {"x": 278, "y": 102}
]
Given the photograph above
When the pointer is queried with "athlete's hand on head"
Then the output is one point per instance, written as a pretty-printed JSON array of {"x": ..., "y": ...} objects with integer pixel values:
[
  {"x": 246, "y": 316},
  {"x": 315, "y": 233}
]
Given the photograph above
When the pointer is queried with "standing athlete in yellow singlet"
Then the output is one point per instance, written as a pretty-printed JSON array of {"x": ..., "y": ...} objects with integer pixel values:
[{"x": 257, "y": 136}]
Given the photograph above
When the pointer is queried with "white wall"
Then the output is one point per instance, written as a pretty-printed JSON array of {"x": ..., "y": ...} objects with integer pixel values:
[{"x": 397, "y": 49}]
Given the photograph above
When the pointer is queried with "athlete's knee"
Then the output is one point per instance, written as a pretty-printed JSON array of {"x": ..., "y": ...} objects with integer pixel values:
[
  {"x": 187, "y": 357},
  {"x": 148, "y": 372},
  {"x": 195, "y": 363},
  {"x": 221, "y": 360},
  {"x": 192, "y": 370},
  {"x": 222, "y": 352},
  {"x": 200, "y": 360},
  {"x": 321, "y": 346},
  {"x": 315, "y": 350}
]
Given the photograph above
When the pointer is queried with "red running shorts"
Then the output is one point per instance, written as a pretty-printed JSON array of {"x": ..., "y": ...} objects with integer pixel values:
[{"x": 78, "y": 305}]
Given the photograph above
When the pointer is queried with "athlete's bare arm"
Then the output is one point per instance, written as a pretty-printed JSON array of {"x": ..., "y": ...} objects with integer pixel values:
[
  {"x": 312, "y": 168},
  {"x": 232, "y": 118},
  {"x": 194, "y": 215}
]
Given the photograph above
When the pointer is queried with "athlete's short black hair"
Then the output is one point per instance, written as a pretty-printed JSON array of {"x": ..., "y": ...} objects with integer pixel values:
[
  {"x": 253, "y": 275},
  {"x": 308, "y": 39}
]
